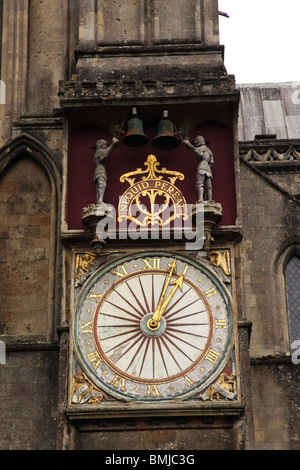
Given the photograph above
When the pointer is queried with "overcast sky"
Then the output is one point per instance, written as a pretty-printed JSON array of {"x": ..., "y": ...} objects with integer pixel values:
[{"x": 261, "y": 39}]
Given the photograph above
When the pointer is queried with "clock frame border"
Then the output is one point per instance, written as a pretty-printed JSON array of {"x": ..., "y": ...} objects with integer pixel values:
[{"x": 120, "y": 409}]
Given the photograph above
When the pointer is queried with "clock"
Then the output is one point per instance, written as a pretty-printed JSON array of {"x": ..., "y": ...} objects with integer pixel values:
[{"x": 153, "y": 327}]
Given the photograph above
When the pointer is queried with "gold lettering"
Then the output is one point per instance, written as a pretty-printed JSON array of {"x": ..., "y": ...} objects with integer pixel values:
[
  {"x": 94, "y": 359},
  {"x": 119, "y": 382},
  {"x": 212, "y": 356},
  {"x": 179, "y": 202},
  {"x": 87, "y": 327},
  {"x": 210, "y": 292},
  {"x": 188, "y": 382},
  {"x": 221, "y": 323},
  {"x": 153, "y": 391},
  {"x": 185, "y": 270},
  {"x": 120, "y": 272},
  {"x": 95, "y": 296},
  {"x": 153, "y": 263}
]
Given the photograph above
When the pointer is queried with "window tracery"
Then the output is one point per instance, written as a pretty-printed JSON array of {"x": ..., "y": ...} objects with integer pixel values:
[{"x": 292, "y": 285}]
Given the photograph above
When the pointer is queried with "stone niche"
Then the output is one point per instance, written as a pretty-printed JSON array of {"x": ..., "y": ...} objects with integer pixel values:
[{"x": 25, "y": 203}]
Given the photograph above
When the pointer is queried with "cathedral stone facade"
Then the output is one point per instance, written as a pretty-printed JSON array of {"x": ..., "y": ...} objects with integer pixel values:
[{"x": 73, "y": 74}]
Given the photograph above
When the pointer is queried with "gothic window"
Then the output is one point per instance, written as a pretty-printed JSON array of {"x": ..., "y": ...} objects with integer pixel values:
[{"x": 292, "y": 284}]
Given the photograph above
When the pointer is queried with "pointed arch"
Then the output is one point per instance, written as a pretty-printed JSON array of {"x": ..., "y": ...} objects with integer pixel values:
[
  {"x": 25, "y": 143},
  {"x": 292, "y": 291},
  {"x": 287, "y": 266},
  {"x": 30, "y": 187}
]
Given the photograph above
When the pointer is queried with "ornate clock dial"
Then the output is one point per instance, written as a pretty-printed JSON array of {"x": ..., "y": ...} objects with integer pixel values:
[{"x": 153, "y": 327}]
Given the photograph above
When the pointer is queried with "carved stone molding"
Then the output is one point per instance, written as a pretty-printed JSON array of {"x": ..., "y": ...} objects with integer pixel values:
[
  {"x": 212, "y": 215},
  {"x": 91, "y": 218},
  {"x": 278, "y": 156}
]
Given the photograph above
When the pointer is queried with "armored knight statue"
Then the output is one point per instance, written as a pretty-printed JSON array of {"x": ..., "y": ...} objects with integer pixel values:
[
  {"x": 204, "y": 170},
  {"x": 100, "y": 176}
]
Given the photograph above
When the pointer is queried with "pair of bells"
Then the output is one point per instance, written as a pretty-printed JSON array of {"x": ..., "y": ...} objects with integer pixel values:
[{"x": 165, "y": 139}]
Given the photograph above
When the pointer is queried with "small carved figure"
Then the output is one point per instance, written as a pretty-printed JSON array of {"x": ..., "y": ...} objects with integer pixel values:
[
  {"x": 83, "y": 264},
  {"x": 204, "y": 170},
  {"x": 100, "y": 176},
  {"x": 225, "y": 386}
]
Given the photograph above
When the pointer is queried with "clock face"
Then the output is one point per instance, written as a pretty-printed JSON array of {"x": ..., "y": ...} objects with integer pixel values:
[{"x": 153, "y": 327}]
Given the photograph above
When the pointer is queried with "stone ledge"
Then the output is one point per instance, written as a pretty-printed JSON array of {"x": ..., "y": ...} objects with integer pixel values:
[
  {"x": 150, "y": 89},
  {"x": 19, "y": 343},
  {"x": 271, "y": 360},
  {"x": 131, "y": 410}
]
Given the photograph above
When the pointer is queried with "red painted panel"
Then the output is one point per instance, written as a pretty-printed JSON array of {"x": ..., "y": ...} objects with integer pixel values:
[{"x": 81, "y": 188}]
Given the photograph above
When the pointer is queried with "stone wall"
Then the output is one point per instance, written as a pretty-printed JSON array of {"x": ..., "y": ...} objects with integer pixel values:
[
  {"x": 29, "y": 391},
  {"x": 47, "y": 60},
  {"x": 30, "y": 299},
  {"x": 271, "y": 232},
  {"x": 160, "y": 439},
  {"x": 108, "y": 22},
  {"x": 276, "y": 400}
]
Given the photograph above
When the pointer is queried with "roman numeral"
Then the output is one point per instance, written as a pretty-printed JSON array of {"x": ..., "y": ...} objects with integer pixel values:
[
  {"x": 221, "y": 323},
  {"x": 87, "y": 327},
  {"x": 153, "y": 391},
  {"x": 188, "y": 382},
  {"x": 212, "y": 356},
  {"x": 94, "y": 359},
  {"x": 153, "y": 263},
  {"x": 119, "y": 382},
  {"x": 210, "y": 292},
  {"x": 120, "y": 272},
  {"x": 95, "y": 296}
]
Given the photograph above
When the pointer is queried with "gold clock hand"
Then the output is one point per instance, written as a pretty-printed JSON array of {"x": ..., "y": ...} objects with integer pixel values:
[
  {"x": 176, "y": 284},
  {"x": 154, "y": 322}
]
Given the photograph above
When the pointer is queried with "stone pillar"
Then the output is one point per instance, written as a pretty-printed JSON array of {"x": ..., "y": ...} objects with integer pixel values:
[
  {"x": 47, "y": 54},
  {"x": 14, "y": 70}
]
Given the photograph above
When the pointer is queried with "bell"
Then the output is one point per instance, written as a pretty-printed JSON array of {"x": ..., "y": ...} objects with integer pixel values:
[
  {"x": 135, "y": 136},
  {"x": 166, "y": 138}
]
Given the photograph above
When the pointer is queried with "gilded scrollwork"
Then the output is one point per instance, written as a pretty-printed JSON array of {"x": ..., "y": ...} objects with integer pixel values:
[
  {"x": 84, "y": 391},
  {"x": 86, "y": 264},
  {"x": 151, "y": 172},
  {"x": 224, "y": 387},
  {"x": 83, "y": 263}
]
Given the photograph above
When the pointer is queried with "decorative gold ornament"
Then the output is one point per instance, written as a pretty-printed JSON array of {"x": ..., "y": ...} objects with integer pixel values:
[
  {"x": 158, "y": 194},
  {"x": 83, "y": 263},
  {"x": 225, "y": 386},
  {"x": 84, "y": 391},
  {"x": 221, "y": 260}
]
